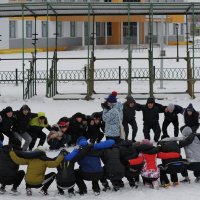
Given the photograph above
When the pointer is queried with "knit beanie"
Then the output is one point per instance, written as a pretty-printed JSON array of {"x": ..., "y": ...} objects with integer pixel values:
[
  {"x": 186, "y": 131},
  {"x": 130, "y": 99},
  {"x": 8, "y": 109},
  {"x": 25, "y": 107},
  {"x": 112, "y": 98},
  {"x": 150, "y": 100},
  {"x": 171, "y": 107},
  {"x": 190, "y": 108}
]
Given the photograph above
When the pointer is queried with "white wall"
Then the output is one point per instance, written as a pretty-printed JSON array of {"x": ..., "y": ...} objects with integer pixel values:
[{"x": 4, "y": 43}]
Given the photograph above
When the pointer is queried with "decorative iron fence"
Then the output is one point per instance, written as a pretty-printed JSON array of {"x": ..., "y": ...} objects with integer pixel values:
[{"x": 103, "y": 74}]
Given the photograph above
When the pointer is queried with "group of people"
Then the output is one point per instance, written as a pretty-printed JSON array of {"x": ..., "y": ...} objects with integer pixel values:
[{"x": 111, "y": 159}]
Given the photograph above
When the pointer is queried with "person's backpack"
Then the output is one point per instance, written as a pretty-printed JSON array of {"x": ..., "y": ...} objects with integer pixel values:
[{"x": 65, "y": 177}]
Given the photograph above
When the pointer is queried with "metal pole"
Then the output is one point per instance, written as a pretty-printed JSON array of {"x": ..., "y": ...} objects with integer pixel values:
[
  {"x": 129, "y": 54},
  {"x": 177, "y": 45},
  {"x": 161, "y": 52},
  {"x": 35, "y": 82},
  {"x": 23, "y": 64},
  {"x": 47, "y": 53}
]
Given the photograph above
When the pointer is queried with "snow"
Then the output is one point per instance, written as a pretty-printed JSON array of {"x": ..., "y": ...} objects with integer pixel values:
[{"x": 54, "y": 109}]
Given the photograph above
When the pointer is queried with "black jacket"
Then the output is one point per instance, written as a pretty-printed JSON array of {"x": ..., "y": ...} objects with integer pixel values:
[
  {"x": 22, "y": 121},
  {"x": 174, "y": 115},
  {"x": 6, "y": 123},
  {"x": 151, "y": 116},
  {"x": 128, "y": 112},
  {"x": 7, "y": 167},
  {"x": 192, "y": 120}
]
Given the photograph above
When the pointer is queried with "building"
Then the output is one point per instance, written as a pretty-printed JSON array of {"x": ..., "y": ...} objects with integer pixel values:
[{"x": 73, "y": 31}]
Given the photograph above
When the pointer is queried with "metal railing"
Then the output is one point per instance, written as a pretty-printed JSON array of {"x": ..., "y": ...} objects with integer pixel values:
[{"x": 103, "y": 74}]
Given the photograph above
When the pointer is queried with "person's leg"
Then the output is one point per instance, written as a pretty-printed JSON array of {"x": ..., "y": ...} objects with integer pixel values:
[
  {"x": 80, "y": 183},
  {"x": 42, "y": 137},
  {"x": 49, "y": 178},
  {"x": 134, "y": 129},
  {"x": 18, "y": 179},
  {"x": 1, "y": 137},
  {"x": 27, "y": 139},
  {"x": 164, "y": 128},
  {"x": 176, "y": 127},
  {"x": 95, "y": 186},
  {"x": 163, "y": 178},
  {"x": 126, "y": 129},
  {"x": 174, "y": 178},
  {"x": 157, "y": 132},
  {"x": 146, "y": 131},
  {"x": 34, "y": 132}
]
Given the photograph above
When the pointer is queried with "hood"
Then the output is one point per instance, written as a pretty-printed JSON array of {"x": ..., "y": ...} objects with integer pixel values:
[
  {"x": 41, "y": 114},
  {"x": 186, "y": 131}
]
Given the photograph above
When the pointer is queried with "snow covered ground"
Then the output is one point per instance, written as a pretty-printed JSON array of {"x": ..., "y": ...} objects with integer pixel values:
[{"x": 12, "y": 95}]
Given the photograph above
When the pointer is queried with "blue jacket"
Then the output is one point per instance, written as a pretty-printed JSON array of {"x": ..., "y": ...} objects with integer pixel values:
[{"x": 112, "y": 119}]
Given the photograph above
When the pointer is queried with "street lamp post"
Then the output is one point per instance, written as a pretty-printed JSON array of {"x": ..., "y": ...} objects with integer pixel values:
[{"x": 177, "y": 26}]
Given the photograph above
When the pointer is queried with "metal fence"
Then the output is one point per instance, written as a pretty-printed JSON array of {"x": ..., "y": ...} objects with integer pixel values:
[{"x": 103, "y": 74}]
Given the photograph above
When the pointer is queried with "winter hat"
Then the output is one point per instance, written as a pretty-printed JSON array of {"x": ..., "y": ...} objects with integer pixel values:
[
  {"x": 25, "y": 107},
  {"x": 186, "y": 131},
  {"x": 146, "y": 141},
  {"x": 78, "y": 115},
  {"x": 171, "y": 107},
  {"x": 63, "y": 121},
  {"x": 1, "y": 143},
  {"x": 8, "y": 109},
  {"x": 190, "y": 108},
  {"x": 82, "y": 141},
  {"x": 97, "y": 115},
  {"x": 15, "y": 143},
  {"x": 130, "y": 99},
  {"x": 55, "y": 127},
  {"x": 150, "y": 100},
  {"x": 112, "y": 97},
  {"x": 41, "y": 115}
]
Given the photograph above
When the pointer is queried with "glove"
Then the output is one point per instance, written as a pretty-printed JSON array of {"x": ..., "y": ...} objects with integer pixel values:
[
  {"x": 105, "y": 105},
  {"x": 64, "y": 152}
]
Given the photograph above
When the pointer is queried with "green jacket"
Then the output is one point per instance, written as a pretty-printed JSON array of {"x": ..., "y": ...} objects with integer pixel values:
[{"x": 36, "y": 169}]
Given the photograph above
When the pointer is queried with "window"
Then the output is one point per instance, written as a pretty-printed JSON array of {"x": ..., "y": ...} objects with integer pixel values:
[
  {"x": 44, "y": 28},
  {"x": 29, "y": 29},
  {"x": 109, "y": 28},
  {"x": 100, "y": 29},
  {"x": 86, "y": 31},
  {"x": 182, "y": 29},
  {"x": 12, "y": 29},
  {"x": 72, "y": 29},
  {"x": 133, "y": 29},
  {"x": 59, "y": 29}
]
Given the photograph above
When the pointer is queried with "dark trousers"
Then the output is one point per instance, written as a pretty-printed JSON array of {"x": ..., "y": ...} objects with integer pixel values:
[
  {"x": 80, "y": 177},
  {"x": 164, "y": 179},
  {"x": 49, "y": 178},
  {"x": 195, "y": 167},
  {"x": 166, "y": 124},
  {"x": 15, "y": 181},
  {"x": 156, "y": 129},
  {"x": 134, "y": 129},
  {"x": 9, "y": 134},
  {"x": 71, "y": 190},
  {"x": 36, "y": 132}
]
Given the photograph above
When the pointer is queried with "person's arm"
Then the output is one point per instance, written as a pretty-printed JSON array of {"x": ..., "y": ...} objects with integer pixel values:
[
  {"x": 188, "y": 140},
  {"x": 104, "y": 144},
  {"x": 161, "y": 108},
  {"x": 17, "y": 159},
  {"x": 179, "y": 109},
  {"x": 55, "y": 163}
]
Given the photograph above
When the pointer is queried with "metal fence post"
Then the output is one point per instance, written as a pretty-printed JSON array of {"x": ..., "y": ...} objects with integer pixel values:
[
  {"x": 119, "y": 74},
  {"x": 16, "y": 75}
]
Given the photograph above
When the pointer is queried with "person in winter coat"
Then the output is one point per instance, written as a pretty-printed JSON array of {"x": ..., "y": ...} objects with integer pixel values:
[
  {"x": 9, "y": 170},
  {"x": 75, "y": 128},
  {"x": 192, "y": 152},
  {"x": 191, "y": 118},
  {"x": 37, "y": 162},
  {"x": 21, "y": 126},
  {"x": 90, "y": 168},
  {"x": 129, "y": 108},
  {"x": 112, "y": 116},
  {"x": 94, "y": 133},
  {"x": 172, "y": 162},
  {"x": 132, "y": 160},
  {"x": 171, "y": 116},
  {"x": 151, "y": 118},
  {"x": 7, "y": 120},
  {"x": 35, "y": 130},
  {"x": 98, "y": 116},
  {"x": 114, "y": 168},
  {"x": 58, "y": 136},
  {"x": 150, "y": 172}
]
